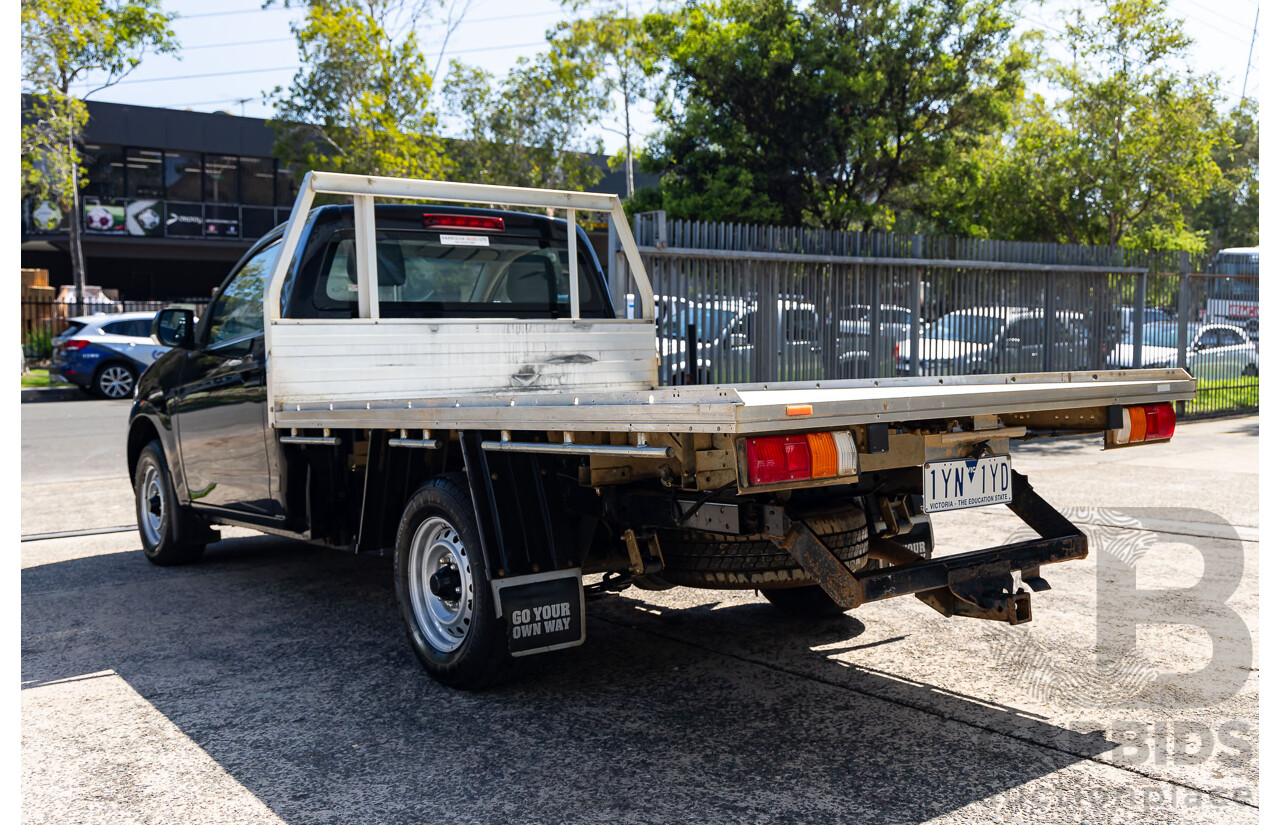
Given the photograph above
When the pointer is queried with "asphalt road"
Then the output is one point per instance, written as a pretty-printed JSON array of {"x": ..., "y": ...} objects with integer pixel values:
[{"x": 272, "y": 683}]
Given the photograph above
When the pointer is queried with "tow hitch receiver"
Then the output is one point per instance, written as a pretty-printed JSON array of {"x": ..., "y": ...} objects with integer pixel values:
[{"x": 978, "y": 585}]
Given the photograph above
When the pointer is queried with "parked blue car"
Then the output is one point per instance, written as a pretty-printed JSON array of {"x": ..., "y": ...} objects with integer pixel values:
[{"x": 104, "y": 354}]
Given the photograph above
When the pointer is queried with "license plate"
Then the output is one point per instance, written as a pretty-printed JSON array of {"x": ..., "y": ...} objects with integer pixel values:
[
  {"x": 967, "y": 482},
  {"x": 543, "y": 612}
]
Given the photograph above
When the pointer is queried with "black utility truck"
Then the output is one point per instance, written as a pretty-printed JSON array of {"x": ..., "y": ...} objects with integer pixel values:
[{"x": 451, "y": 386}]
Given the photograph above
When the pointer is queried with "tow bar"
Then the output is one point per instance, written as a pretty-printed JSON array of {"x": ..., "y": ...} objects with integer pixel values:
[{"x": 978, "y": 585}]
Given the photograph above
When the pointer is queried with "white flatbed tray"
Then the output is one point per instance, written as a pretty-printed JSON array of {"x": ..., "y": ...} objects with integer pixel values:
[{"x": 748, "y": 408}]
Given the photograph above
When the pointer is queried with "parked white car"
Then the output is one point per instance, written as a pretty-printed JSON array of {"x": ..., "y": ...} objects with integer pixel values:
[{"x": 1213, "y": 350}]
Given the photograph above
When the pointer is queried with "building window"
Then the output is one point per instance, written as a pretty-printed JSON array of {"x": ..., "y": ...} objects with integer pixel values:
[
  {"x": 257, "y": 181},
  {"x": 286, "y": 191},
  {"x": 105, "y": 165},
  {"x": 182, "y": 176},
  {"x": 222, "y": 178},
  {"x": 145, "y": 173}
]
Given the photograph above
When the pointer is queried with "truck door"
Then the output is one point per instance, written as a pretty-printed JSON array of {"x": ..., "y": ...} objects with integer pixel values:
[{"x": 221, "y": 399}]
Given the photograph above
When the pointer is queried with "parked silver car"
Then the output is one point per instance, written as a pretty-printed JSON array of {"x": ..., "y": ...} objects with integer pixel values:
[
  {"x": 1213, "y": 350},
  {"x": 983, "y": 340}
]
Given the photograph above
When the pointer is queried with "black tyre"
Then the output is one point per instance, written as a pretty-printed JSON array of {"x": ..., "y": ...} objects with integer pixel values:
[
  {"x": 170, "y": 535},
  {"x": 115, "y": 380},
  {"x": 442, "y": 587},
  {"x": 698, "y": 559},
  {"x": 807, "y": 602},
  {"x": 1250, "y": 370}
]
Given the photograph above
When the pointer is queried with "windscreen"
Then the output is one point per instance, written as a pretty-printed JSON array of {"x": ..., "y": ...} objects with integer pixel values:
[{"x": 427, "y": 274}]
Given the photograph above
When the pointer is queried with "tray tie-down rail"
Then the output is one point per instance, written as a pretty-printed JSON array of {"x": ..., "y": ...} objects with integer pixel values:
[{"x": 978, "y": 584}]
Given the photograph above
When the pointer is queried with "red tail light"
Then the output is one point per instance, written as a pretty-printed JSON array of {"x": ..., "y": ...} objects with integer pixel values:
[
  {"x": 482, "y": 222},
  {"x": 1153, "y": 422},
  {"x": 895, "y": 351},
  {"x": 74, "y": 343},
  {"x": 1160, "y": 421},
  {"x": 780, "y": 458}
]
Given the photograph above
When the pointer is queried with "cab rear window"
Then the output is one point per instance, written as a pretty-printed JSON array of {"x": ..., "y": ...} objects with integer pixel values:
[{"x": 425, "y": 274}]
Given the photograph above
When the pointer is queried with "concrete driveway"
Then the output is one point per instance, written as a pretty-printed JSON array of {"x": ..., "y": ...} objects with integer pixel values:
[{"x": 272, "y": 683}]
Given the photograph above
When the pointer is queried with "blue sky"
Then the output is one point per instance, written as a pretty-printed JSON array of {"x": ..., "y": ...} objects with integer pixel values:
[{"x": 234, "y": 51}]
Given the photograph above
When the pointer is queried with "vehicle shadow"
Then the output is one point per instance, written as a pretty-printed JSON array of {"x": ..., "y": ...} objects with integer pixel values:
[{"x": 287, "y": 665}]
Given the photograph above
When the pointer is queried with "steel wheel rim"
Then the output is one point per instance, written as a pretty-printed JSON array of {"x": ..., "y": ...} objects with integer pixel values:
[
  {"x": 444, "y": 623},
  {"x": 116, "y": 382},
  {"x": 151, "y": 506}
]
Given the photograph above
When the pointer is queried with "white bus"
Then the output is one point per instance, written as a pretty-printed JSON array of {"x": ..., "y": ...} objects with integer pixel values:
[{"x": 1233, "y": 299}]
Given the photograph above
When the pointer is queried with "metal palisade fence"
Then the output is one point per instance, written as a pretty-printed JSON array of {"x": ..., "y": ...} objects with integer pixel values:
[{"x": 738, "y": 303}]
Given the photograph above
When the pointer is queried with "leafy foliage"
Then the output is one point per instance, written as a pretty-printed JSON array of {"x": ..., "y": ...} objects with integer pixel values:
[
  {"x": 528, "y": 129},
  {"x": 1228, "y": 216},
  {"x": 826, "y": 115},
  {"x": 64, "y": 43},
  {"x": 1119, "y": 157},
  {"x": 612, "y": 50},
  {"x": 361, "y": 103}
]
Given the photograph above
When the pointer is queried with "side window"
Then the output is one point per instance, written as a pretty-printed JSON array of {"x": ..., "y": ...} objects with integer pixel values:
[
  {"x": 118, "y": 328},
  {"x": 1208, "y": 339},
  {"x": 237, "y": 311},
  {"x": 1229, "y": 338}
]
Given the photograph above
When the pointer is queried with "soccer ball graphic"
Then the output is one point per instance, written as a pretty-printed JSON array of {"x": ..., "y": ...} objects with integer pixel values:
[
  {"x": 148, "y": 219},
  {"x": 99, "y": 218}
]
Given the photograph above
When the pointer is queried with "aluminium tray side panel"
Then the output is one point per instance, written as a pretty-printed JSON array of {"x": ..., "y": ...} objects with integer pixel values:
[{"x": 344, "y": 361}]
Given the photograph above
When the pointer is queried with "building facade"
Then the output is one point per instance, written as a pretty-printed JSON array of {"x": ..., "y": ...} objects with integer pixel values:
[{"x": 173, "y": 199}]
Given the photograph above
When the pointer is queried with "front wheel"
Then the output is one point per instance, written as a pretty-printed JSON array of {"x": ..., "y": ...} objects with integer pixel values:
[
  {"x": 170, "y": 536},
  {"x": 442, "y": 587}
]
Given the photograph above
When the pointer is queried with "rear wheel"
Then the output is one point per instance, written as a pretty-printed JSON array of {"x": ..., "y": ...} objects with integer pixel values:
[
  {"x": 115, "y": 380},
  {"x": 442, "y": 586},
  {"x": 695, "y": 558},
  {"x": 1250, "y": 370},
  {"x": 170, "y": 535}
]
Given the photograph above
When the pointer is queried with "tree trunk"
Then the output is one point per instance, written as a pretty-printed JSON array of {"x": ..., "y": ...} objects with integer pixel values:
[
  {"x": 626, "y": 114},
  {"x": 75, "y": 223}
]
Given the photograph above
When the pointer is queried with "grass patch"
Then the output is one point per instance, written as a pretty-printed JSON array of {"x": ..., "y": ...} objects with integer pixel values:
[
  {"x": 1224, "y": 396},
  {"x": 41, "y": 378}
]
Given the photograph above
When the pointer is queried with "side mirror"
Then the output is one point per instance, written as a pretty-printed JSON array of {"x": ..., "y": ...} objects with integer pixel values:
[{"x": 175, "y": 328}]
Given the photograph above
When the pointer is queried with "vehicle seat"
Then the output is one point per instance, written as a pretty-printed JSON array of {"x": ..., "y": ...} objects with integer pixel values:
[{"x": 531, "y": 279}]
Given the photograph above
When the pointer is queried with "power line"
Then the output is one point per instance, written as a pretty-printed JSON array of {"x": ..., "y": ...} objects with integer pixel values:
[
  {"x": 1231, "y": 20},
  {"x": 198, "y": 76},
  {"x": 241, "y": 43},
  {"x": 228, "y": 13},
  {"x": 1249, "y": 63}
]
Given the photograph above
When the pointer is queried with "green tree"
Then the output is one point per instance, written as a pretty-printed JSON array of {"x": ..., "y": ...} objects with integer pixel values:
[
  {"x": 612, "y": 48},
  {"x": 361, "y": 103},
  {"x": 1119, "y": 154},
  {"x": 831, "y": 114},
  {"x": 529, "y": 129},
  {"x": 1228, "y": 216},
  {"x": 65, "y": 44}
]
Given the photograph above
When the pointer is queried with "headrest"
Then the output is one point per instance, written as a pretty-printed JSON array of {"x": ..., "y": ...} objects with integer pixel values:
[
  {"x": 531, "y": 279},
  {"x": 390, "y": 264}
]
